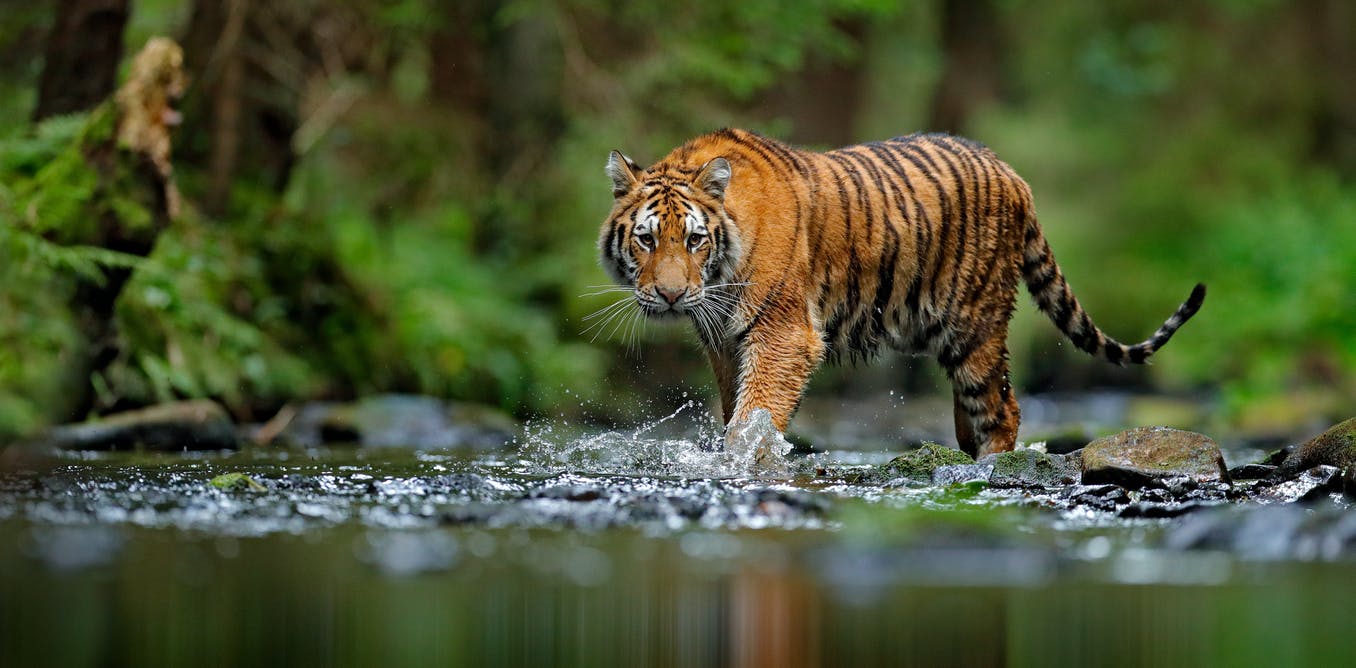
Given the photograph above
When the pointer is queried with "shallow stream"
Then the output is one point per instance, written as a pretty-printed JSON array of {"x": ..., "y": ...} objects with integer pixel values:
[{"x": 639, "y": 547}]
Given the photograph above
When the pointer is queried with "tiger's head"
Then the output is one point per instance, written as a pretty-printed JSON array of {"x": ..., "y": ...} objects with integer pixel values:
[{"x": 668, "y": 236}]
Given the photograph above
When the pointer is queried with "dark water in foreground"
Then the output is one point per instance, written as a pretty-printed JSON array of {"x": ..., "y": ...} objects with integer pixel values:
[{"x": 629, "y": 549}]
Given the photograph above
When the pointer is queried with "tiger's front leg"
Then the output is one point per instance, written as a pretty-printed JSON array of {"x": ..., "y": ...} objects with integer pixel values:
[
  {"x": 775, "y": 362},
  {"x": 774, "y": 365}
]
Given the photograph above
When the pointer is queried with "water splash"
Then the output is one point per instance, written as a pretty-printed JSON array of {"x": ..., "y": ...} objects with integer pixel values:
[
  {"x": 697, "y": 450},
  {"x": 757, "y": 446}
]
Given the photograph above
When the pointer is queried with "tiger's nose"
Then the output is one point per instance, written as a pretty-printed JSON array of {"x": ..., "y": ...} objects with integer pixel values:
[{"x": 671, "y": 295}]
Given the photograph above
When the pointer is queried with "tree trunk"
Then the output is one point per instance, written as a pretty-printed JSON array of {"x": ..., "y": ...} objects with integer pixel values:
[
  {"x": 132, "y": 164},
  {"x": 972, "y": 63},
  {"x": 505, "y": 82},
  {"x": 1333, "y": 57},
  {"x": 83, "y": 51},
  {"x": 253, "y": 61}
]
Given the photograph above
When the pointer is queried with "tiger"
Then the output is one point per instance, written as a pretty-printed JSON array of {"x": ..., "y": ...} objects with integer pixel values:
[{"x": 783, "y": 258}]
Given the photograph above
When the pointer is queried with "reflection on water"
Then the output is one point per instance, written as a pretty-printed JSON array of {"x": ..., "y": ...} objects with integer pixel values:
[
  {"x": 362, "y": 597},
  {"x": 638, "y": 547}
]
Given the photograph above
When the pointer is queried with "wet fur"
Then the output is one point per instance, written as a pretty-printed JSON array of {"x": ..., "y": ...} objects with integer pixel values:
[{"x": 917, "y": 244}]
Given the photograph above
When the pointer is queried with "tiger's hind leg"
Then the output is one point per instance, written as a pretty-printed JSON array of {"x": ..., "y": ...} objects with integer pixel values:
[{"x": 986, "y": 411}]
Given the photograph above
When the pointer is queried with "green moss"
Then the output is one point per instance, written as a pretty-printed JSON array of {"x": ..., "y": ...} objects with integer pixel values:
[
  {"x": 919, "y": 464},
  {"x": 1032, "y": 468},
  {"x": 236, "y": 482},
  {"x": 1334, "y": 447}
]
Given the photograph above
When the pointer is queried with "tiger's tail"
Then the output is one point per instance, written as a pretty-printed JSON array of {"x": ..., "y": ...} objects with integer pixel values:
[{"x": 1053, "y": 296}]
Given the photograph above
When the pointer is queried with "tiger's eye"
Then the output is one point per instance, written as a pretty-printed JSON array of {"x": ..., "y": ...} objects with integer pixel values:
[
  {"x": 646, "y": 240},
  {"x": 695, "y": 241}
]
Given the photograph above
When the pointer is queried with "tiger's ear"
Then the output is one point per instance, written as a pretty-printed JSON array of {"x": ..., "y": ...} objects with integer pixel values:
[
  {"x": 622, "y": 171},
  {"x": 714, "y": 177}
]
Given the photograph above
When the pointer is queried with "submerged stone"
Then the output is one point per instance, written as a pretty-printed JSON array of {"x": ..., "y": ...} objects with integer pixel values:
[
  {"x": 1251, "y": 472},
  {"x": 1032, "y": 468},
  {"x": 1143, "y": 455},
  {"x": 1100, "y": 497},
  {"x": 1334, "y": 447},
  {"x": 958, "y": 474},
  {"x": 918, "y": 465},
  {"x": 170, "y": 427},
  {"x": 1150, "y": 510},
  {"x": 1311, "y": 485},
  {"x": 1185, "y": 488}
]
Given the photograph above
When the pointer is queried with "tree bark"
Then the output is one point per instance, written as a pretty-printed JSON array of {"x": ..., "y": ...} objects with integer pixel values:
[
  {"x": 972, "y": 63},
  {"x": 82, "y": 56}
]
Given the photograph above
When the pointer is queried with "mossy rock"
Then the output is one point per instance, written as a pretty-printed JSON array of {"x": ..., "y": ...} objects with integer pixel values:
[
  {"x": 236, "y": 482},
  {"x": 1033, "y": 468},
  {"x": 1334, "y": 447},
  {"x": 1140, "y": 456},
  {"x": 919, "y": 464}
]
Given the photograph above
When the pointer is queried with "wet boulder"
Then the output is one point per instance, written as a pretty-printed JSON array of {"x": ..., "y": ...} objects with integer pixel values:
[
  {"x": 918, "y": 465},
  {"x": 1028, "y": 467},
  {"x": 1334, "y": 447},
  {"x": 1311, "y": 485},
  {"x": 170, "y": 427},
  {"x": 1252, "y": 472},
  {"x": 1147, "y": 455},
  {"x": 1098, "y": 497}
]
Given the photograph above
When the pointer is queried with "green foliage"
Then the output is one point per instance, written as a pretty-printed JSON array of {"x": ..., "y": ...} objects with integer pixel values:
[
  {"x": 1283, "y": 288},
  {"x": 187, "y": 333},
  {"x": 36, "y": 330},
  {"x": 454, "y": 319},
  {"x": 443, "y": 245}
]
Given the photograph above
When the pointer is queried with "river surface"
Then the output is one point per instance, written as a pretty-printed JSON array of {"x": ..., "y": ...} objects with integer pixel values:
[{"x": 639, "y": 547}]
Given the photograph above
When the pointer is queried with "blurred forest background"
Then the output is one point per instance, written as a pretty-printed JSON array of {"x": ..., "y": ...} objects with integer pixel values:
[{"x": 403, "y": 195}]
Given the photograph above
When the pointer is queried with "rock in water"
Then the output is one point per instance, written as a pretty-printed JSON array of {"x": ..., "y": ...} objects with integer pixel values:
[
  {"x": 1311, "y": 485},
  {"x": 959, "y": 474},
  {"x": 919, "y": 464},
  {"x": 1251, "y": 472},
  {"x": 1144, "y": 455},
  {"x": 1033, "y": 468},
  {"x": 180, "y": 425},
  {"x": 1334, "y": 447}
]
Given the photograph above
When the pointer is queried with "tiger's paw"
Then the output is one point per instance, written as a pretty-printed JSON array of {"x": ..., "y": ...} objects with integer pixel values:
[{"x": 756, "y": 446}]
